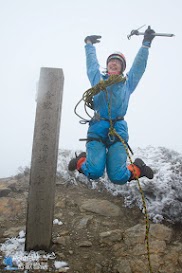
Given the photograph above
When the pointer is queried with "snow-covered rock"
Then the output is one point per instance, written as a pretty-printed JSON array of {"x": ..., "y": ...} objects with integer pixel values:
[{"x": 163, "y": 194}]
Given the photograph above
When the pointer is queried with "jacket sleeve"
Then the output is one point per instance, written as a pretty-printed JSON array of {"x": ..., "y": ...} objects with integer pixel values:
[
  {"x": 92, "y": 65},
  {"x": 137, "y": 69}
]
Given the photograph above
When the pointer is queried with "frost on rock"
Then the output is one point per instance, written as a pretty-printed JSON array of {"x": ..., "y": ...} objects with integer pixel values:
[{"x": 163, "y": 193}]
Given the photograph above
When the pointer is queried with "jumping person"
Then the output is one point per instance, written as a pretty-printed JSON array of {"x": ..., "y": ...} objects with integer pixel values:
[{"x": 102, "y": 150}]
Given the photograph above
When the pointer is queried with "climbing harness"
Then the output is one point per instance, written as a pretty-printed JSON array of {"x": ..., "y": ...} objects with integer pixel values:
[
  {"x": 88, "y": 99},
  {"x": 136, "y": 32},
  {"x": 88, "y": 102},
  {"x": 100, "y": 140}
]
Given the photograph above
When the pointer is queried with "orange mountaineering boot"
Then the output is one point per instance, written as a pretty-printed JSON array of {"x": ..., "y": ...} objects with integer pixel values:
[
  {"x": 75, "y": 163},
  {"x": 140, "y": 169}
]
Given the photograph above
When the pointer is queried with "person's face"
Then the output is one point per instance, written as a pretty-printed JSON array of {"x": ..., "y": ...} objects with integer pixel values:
[{"x": 114, "y": 66}]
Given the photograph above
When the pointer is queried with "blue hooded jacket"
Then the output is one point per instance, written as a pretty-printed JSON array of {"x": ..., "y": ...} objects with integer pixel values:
[{"x": 118, "y": 93}]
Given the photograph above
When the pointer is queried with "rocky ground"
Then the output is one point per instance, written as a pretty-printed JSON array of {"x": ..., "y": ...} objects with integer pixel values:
[{"x": 98, "y": 234}]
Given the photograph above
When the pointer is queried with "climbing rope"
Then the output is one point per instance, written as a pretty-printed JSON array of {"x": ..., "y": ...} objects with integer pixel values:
[
  {"x": 112, "y": 132},
  {"x": 101, "y": 86},
  {"x": 147, "y": 225},
  {"x": 88, "y": 100}
]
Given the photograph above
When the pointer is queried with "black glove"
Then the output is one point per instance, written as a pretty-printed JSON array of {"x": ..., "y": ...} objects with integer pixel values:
[
  {"x": 148, "y": 37},
  {"x": 93, "y": 39}
]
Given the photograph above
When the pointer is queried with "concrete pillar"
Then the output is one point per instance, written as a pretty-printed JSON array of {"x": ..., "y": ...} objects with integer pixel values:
[{"x": 41, "y": 196}]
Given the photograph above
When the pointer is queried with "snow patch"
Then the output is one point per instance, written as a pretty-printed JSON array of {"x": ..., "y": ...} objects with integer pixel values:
[{"x": 16, "y": 258}]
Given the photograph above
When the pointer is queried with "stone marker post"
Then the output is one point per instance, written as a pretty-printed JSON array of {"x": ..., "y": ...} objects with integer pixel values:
[{"x": 40, "y": 209}]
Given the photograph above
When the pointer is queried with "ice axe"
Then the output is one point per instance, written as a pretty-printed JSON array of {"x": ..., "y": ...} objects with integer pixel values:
[{"x": 136, "y": 32}]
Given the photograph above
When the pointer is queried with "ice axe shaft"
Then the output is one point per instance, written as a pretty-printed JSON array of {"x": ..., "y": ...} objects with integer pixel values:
[
  {"x": 158, "y": 34},
  {"x": 136, "y": 32}
]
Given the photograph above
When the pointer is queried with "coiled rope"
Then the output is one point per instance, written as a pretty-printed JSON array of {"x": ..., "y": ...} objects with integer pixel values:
[
  {"x": 101, "y": 86},
  {"x": 88, "y": 102}
]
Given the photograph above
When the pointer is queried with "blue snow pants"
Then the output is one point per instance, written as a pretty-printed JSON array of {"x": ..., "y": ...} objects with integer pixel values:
[{"x": 105, "y": 153}]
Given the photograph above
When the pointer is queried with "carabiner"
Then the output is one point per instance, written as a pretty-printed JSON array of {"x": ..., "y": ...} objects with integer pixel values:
[{"x": 111, "y": 137}]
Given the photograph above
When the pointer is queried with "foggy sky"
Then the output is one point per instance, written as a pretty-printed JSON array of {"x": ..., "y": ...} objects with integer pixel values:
[{"x": 47, "y": 33}]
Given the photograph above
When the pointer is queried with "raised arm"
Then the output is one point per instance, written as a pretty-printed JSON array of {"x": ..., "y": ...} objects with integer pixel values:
[
  {"x": 92, "y": 64},
  {"x": 140, "y": 62}
]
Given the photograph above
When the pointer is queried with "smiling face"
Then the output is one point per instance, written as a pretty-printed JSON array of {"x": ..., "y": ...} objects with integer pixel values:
[{"x": 114, "y": 66}]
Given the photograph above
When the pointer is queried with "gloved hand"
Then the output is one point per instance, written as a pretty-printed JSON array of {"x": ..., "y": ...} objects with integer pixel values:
[
  {"x": 148, "y": 37},
  {"x": 93, "y": 39}
]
